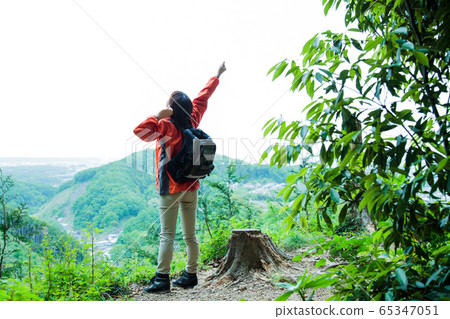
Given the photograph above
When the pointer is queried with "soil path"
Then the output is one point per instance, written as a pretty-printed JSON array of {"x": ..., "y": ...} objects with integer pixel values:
[{"x": 259, "y": 287}]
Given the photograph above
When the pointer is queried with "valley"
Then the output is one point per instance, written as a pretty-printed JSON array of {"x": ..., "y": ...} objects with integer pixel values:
[{"x": 117, "y": 198}]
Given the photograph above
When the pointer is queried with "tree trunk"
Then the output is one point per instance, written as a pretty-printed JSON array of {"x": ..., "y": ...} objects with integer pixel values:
[
  {"x": 250, "y": 250},
  {"x": 1, "y": 266},
  {"x": 93, "y": 261},
  {"x": 2, "y": 256},
  {"x": 363, "y": 218}
]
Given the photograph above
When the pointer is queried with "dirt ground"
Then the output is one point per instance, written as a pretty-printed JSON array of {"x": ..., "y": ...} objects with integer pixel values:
[{"x": 261, "y": 286}]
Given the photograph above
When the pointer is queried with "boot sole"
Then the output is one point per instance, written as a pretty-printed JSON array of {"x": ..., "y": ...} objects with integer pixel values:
[
  {"x": 158, "y": 292},
  {"x": 184, "y": 287}
]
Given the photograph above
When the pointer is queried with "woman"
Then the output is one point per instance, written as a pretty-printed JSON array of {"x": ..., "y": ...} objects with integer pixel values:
[{"x": 167, "y": 128}]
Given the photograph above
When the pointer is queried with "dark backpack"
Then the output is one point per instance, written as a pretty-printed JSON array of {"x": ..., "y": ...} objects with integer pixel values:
[{"x": 195, "y": 158}]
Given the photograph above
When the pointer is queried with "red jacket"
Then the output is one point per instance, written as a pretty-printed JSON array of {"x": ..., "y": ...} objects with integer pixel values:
[{"x": 169, "y": 140}]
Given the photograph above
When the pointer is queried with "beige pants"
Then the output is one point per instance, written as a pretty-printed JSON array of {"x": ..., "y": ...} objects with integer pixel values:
[{"x": 168, "y": 212}]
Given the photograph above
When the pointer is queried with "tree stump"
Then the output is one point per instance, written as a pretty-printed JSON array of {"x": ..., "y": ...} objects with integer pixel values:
[{"x": 250, "y": 250}]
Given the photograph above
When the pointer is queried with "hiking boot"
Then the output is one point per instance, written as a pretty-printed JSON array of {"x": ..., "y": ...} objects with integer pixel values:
[
  {"x": 186, "y": 280},
  {"x": 159, "y": 284}
]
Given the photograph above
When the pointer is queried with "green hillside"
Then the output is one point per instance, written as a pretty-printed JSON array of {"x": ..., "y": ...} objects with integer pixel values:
[
  {"x": 120, "y": 198},
  {"x": 60, "y": 206},
  {"x": 33, "y": 194},
  {"x": 105, "y": 196},
  {"x": 110, "y": 194}
]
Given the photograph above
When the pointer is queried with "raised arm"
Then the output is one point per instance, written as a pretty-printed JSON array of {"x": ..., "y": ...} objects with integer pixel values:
[{"x": 200, "y": 103}]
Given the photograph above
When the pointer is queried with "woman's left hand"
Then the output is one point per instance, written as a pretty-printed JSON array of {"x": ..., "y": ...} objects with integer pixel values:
[{"x": 222, "y": 69}]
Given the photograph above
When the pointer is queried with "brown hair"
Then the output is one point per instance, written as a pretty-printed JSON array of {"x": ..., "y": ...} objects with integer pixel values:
[{"x": 181, "y": 106}]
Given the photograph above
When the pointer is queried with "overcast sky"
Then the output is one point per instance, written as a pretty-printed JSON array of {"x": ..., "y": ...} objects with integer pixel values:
[{"x": 76, "y": 77}]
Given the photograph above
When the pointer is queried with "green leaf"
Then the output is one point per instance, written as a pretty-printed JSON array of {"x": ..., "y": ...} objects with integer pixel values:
[
  {"x": 334, "y": 195},
  {"x": 320, "y": 263},
  {"x": 347, "y": 158},
  {"x": 338, "y": 98},
  {"x": 433, "y": 276},
  {"x": 402, "y": 30},
  {"x": 422, "y": 58},
  {"x": 368, "y": 196},
  {"x": 442, "y": 164},
  {"x": 291, "y": 179},
  {"x": 310, "y": 89},
  {"x": 420, "y": 284},
  {"x": 408, "y": 94},
  {"x": 343, "y": 214},
  {"x": 373, "y": 43},
  {"x": 296, "y": 204},
  {"x": 402, "y": 279},
  {"x": 319, "y": 77},
  {"x": 397, "y": 3},
  {"x": 357, "y": 45},
  {"x": 280, "y": 68},
  {"x": 308, "y": 44},
  {"x": 303, "y": 171},
  {"x": 389, "y": 296},
  {"x": 272, "y": 68},
  {"x": 316, "y": 42},
  {"x": 267, "y": 130},
  {"x": 321, "y": 281},
  {"x": 287, "y": 193},
  {"x": 263, "y": 157},
  {"x": 287, "y": 286},
  {"x": 327, "y": 219},
  {"x": 378, "y": 90},
  {"x": 328, "y": 6},
  {"x": 408, "y": 45},
  {"x": 303, "y": 131},
  {"x": 398, "y": 56},
  {"x": 327, "y": 72},
  {"x": 284, "y": 296}
]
